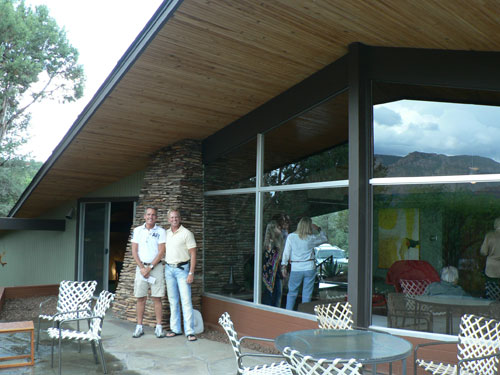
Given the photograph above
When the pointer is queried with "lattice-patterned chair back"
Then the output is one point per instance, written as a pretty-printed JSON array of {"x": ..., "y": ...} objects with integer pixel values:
[
  {"x": 492, "y": 290},
  {"x": 478, "y": 337},
  {"x": 414, "y": 287},
  {"x": 93, "y": 334},
  {"x": 74, "y": 295},
  {"x": 334, "y": 315},
  {"x": 226, "y": 323},
  {"x": 306, "y": 365},
  {"x": 102, "y": 305},
  {"x": 275, "y": 368}
]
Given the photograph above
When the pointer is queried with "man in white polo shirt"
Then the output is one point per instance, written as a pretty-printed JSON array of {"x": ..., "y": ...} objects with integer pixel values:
[
  {"x": 180, "y": 257},
  {"x": 148, "y": 248}
]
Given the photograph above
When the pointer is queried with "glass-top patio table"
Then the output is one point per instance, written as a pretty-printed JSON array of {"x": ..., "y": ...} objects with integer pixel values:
[
  {"x": 367, "y": 347},
  {"x": 453, "y": 304}
]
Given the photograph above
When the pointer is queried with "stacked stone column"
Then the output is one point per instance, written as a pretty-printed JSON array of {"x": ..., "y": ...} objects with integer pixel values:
[{"x": 173, "y": 179}]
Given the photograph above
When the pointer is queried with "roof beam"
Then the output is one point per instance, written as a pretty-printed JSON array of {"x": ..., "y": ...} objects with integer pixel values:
[
  {"x": 476, "y": 70},
  {"x": 10, "y": 223},
  {"x": 314, "y": 90}
]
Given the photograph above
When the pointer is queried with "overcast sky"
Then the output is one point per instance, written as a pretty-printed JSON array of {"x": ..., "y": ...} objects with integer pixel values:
[
  {"x": 101, "y": 30},
  {"x": 450, "y": 129}
]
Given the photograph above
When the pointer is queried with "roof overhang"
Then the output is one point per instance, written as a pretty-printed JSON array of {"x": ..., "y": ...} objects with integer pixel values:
[{"x": 202, "y": 70}]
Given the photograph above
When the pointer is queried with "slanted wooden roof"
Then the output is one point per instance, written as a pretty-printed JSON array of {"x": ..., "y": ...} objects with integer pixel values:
[{"x": 214, "y": 61}]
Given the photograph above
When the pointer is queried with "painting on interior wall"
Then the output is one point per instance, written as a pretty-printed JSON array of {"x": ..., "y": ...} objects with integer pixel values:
[{"x": 398, "y": 235}]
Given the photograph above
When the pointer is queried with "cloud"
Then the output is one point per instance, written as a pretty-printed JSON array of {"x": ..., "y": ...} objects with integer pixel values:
[
  {"x": 386, "y": 117},
  {"x": 432, "y": 127}
]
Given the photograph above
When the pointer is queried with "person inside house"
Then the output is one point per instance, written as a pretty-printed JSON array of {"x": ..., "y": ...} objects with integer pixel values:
[
  {"x": 299, "y": 250},
  {"x": 491, "y": 250},
  {"x": 148, "y": 248},
  {"x": 273, "y": 251},
  {"x": 447, "y": 286},
  {"x": 180, "y": 258},
  {"x": 285, "y": 225}
]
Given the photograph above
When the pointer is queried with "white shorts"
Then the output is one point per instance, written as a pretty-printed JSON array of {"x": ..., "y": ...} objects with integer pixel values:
[{"x": 142, "y": 286}]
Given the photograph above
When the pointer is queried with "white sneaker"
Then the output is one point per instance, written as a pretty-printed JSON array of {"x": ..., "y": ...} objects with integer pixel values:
[
  {"x": 138, "y": 332},
  {"x": 159, "y": 331}
]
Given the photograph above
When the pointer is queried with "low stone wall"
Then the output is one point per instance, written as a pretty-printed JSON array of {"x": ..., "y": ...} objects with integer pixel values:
[{"x": 173, "y": 179}]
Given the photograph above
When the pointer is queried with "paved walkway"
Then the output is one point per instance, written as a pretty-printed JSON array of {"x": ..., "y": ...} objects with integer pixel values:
[{"x": 128, "y": 356}]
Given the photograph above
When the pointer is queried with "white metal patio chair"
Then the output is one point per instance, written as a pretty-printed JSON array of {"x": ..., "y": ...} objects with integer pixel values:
[
  {"x": 492, "y": 290},
  {"x": 399, "y": 316},
  {"x": 477, "y": 349},
  {"x": 306, "y": 365},
  {"x": 413, "y": 288},
  {"x": 93, "y": 335},
  {"x": 334, "y": 315},
  {"x": 73, "y": 296},
  {"x": 277, "y": 368}
]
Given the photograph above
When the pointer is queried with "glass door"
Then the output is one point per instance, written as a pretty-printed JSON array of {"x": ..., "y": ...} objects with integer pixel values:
[{"x": 94, "y": 243}]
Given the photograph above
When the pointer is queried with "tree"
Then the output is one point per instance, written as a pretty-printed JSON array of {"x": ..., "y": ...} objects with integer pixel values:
[
  {"x": 36, "y": 62},
  {"x": 15, "y": 175}
]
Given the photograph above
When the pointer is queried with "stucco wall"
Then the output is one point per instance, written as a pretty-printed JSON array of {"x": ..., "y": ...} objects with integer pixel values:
[
  {"x": 47, "y": 257},
  {"x": 39, "y": 257}
]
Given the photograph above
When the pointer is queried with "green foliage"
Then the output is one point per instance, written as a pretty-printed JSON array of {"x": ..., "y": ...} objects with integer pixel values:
[
  {"x": 327, "y": 165},
  {"x": 36, "y": 62},
  {"x": 15, "y": 175},
  {"x": 336, "y": 227}
]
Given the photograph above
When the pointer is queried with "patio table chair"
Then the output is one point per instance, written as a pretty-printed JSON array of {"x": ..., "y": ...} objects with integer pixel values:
[
  {"x": 400, "y": 316},
  {"x": 492, "y": 290},
  {"x": 412, "y": 288},
  {"x": 477, "y": 349},
  {"x": 276, "y": 368},
  {"x": 334, "y": 315},
  {"x": 306, "y": 365},
  {"x": 93, "y": 335},
  {"x": 73, "y": 296}
]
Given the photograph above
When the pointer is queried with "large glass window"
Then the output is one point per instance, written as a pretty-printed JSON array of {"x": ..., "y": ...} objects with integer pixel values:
[
  {"x": 311, "y": 149},
  {"x": 419, "y": 138},
  {"x": 233, "y": 170},
  {"x": 428, "y": 253},
  {"x": 229, "y": 245},
  {"x": 328, "y": 210}
]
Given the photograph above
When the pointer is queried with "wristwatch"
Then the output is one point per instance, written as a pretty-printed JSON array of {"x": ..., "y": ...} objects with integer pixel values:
[{"x": 151, "y": 265}]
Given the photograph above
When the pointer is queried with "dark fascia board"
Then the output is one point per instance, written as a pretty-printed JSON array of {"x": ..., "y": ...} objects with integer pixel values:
[
  {"x": 314, "y": 90},
  {"x": 161, "y": 16},
  {"x": 11, "y": 223},
  {"x": 476, "y": 70}
]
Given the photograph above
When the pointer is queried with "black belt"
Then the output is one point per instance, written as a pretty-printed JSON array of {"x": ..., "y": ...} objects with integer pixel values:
[
  {"x": 178, "y": 265},
  {"x": 147, "y": 264}
]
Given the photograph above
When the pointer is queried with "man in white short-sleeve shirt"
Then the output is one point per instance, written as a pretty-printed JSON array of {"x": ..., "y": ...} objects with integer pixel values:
[
  {"x": 180, "y": 258},
  {"x": 148, "y": 248}
]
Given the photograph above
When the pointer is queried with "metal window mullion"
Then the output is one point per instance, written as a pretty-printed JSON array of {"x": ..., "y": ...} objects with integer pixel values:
[{"x": 259, "y": 207}]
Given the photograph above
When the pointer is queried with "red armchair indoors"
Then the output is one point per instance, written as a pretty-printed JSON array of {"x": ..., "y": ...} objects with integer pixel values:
[{"x": 410, "y": 270}]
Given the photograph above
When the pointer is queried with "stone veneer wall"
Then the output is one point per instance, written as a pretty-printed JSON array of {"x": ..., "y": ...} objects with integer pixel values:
[{"x": 174, "y": 178}]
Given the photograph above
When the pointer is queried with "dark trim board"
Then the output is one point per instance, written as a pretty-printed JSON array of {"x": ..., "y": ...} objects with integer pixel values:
[
  {"x": 414, "y": 66},
  {"x": 11, "y": 223},
  {"x": 475, "y": 70},
  {"x": 314, "y": 90}
]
